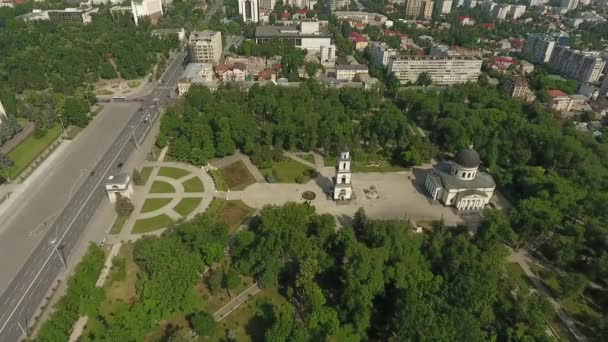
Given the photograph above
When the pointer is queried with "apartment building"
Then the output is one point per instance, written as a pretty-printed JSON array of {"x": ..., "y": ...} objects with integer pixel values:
[
  {"x": 81, "y": 15},
  {"x": 582, "y": 66},
  {"x": 538, "y": 47},
  {"x": 151, "y": 9},
  {"x": 338, "y": 4},
  {"x": 518, "y": 89},
  {"x": 381, "y": 53},
  {"x": 349, "y": 71},
  {"x": 308, "y": 36},
  {"x": 419, "y": 8},
  {"x": 195, "y": 73},
  {"x": 206, "y": 46},
  {"x": 562, "y": 102},
  {"x": 444, "y": 70},
  {"x": 444, "y": 6},
  {"x": 249, "y": 11}
]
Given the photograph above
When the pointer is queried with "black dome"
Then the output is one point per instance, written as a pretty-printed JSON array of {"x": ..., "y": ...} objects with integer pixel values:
[{"x": 468, "y": 158}]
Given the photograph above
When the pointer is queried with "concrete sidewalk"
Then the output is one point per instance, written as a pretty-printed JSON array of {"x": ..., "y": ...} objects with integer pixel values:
[{"x": 236, "y": 302}]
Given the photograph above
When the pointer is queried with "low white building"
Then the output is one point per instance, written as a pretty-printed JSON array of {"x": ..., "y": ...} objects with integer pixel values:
[
  {"x": 460, "y": 183},
  {"x": 195, "y": 73},
  {"x": 151, "y": 9},
  {"x": 347, "y": 72},
  {"x": 119, "y": 184},
  {"x": 308, "y": 36}
]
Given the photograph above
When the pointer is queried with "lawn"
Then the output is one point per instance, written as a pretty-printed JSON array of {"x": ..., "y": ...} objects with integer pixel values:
[
  {"x": 584, "y": 315},
  {"x": 145, "y": 173},
  {"x": 123, "y": 290},
  {"x": 516, "y": 273},
  {"x": 187, "y": 205},
  {"x": 237, "y": 176},
  {"x": 151, "y": 224},
  {"x": 289, "y": 171},
  {"x": 105, "y": 92},
  {"x": 173, "y": 172},
  {"x": 72, "y": 132},
  {"x": 28, "y": 150},
  {"x": 193, "y": 185},
  {"x": 231, "y": 213},
  {"x": 133, "y": 84},
  {"x": 218, "y": 179},
  {"x": 159, "y": 187},
  {"x": 152, "y": 204},
  {"x": 118, "y": 224}
]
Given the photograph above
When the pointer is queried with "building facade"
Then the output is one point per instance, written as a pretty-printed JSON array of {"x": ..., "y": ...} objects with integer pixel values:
[
  {"x": 308, "y": 36},
  {"x": 581, "y": 66},
  {"x": 444, "y": 6},
  {"x": 538, "y": 47},
  {"x": 443, "y": 70},
  {"x": 419, "y": 8},
  {"x": 343, "y": 187},
  {"x": 205, "y": 46},
  {"x": 249, "y": 11},
  {"x": 382, "y": 53},
  {"x": 195, "y": 73},
  {"x": 152, "y": 9},
  {"x": 349, "y": 71},
  {"x": 80, "y": 15},
  {"x": 460, "y": 183}
]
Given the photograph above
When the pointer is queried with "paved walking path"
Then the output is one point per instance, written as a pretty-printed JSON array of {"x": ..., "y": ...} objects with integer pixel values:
[
  {"x": 319, "y": 161},
  {"x": 236, "y": 302},
  {"x": 235, "y": 158},
  {"x": 522, "y": 258},
  {"x": 298, "y": 159}
]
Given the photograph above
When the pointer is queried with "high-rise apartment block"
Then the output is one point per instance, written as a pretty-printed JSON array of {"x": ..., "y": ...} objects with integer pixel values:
[
  {"x": 444, "y": 6},
  {"x": 152, "y": 9},
  {"x": 381, "y": 53},
  {"x": 443, "y": 70},
  {"x": 206, "y": 46},
  {"x": 581, "y": 66},
  {"x": 538, "y": 47},
  {"x": 419, "y": 8},
  {"x": 249, "y": 11}
]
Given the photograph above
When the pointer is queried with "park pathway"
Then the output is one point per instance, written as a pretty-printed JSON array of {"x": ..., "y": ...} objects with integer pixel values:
[
  {"x": 522, "y": 258},
  {"x": 235, "y": 158},
  {"x": 236, "y": 302},
  {"x": 319, "y": 161}
]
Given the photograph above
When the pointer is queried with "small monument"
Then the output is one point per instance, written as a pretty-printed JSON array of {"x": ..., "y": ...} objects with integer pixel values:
[
  {"x": 119, "y": 184},
  {"x": 343, "y": 187}
]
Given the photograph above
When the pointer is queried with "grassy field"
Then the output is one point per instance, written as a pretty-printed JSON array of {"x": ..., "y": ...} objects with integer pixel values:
[
  {"x": 118, "y": 224},
  {"x": 231, "y": 213},
  {"x": 218, "y": 179},
  {"x": 28, "y": 150},
  {"x": 160, "y": 187},
  {"x": 187, "y": 205},
  {"x": 145, "y": 173},
  {"x": 237, "y": 176},
  {"x": 173, "y": 172},
  {"x": 308, "y": 157},
  {"x": 105, "y": 92},
  {"x": 193, "y": 185},
  {"x": 151, "y": 224},
  {"x": 289, "y": 171},
  {"x": 516, "y": 273},
  {"x": 133, "y": 84},
  {"x": 152, "y": 204}
]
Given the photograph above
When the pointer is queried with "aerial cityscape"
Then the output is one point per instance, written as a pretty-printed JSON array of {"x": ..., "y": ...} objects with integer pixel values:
[{"x": 303, "y": 170}]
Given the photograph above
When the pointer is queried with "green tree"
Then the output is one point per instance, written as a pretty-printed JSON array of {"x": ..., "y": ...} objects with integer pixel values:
[
  {"x": 231, "y": 281},
  {"x": 424, "y": 79},
  {"x": 5, "y": 163},
  {"x": 123, "y": 206},
  {"x": 215, "y": 281},
  {"x": 203, "y": 324},
  {"x": 137, "y": 178}
]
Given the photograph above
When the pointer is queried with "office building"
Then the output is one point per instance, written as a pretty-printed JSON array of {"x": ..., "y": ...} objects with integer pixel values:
[
  {"x": 381, "y": 53},
  {"x": 308, "y": 36},
  {"x": 349, "y": 71},
  {"x": 444, "y": 6},
  {"x": 538, "y": 47},
  {"x": 443, "y": 70},
  {"x": 249, "y": 11},
  {"x": 419, "y": 8},
  {"x": 206, "y": 46},
  {"x": 81, "y": 15},
  {"x": 151, "y": 9},
  {"x": 581, "y": 66}
]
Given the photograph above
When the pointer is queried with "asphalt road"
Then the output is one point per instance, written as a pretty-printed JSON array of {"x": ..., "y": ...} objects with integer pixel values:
[{"x": 28, "y": 287}]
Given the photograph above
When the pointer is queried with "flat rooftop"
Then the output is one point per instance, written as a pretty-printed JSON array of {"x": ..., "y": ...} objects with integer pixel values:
[{"x": 268, "y": 31}]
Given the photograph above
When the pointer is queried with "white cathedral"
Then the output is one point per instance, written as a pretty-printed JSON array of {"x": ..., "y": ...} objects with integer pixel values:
[
  {"x": 459, "y": 183},
  {"x": 343, "y": 187}
]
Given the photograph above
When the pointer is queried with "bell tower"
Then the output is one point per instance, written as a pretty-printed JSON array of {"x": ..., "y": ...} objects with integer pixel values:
[{"x": 343, "y": 188}]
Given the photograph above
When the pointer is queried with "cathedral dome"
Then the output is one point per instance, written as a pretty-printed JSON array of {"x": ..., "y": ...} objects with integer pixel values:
[{"x": 468, "y": 158}]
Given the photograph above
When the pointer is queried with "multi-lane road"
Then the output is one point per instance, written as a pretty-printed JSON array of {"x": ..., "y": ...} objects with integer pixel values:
[{"x": 35, "y": 276}]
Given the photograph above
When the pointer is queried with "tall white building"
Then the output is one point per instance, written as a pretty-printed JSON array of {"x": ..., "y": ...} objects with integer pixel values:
[
  {"x": 152, "y": 9},
  {"x": 267, "y": 4},
  {"x": 443, "y": 70},
  {"x": 206, "y": 46},
  {"x": 444, "y": 6},
  {"x": 249, "y": 11},
  {"x": 569, "y": 4},
  {"x": 538, "y": 47},
  {"x": 517, "y": 11},
  {"x": 582, "y": 66},
  {"x": 343, "y": 187}
]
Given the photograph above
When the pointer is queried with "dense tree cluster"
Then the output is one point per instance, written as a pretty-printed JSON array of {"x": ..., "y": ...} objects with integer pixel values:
[
  {"x": 555, "y": 175},
  {"x": 207, "y": 125},
  {"x": 170, "y": 266},
  {"x": 377, "y": 280}
]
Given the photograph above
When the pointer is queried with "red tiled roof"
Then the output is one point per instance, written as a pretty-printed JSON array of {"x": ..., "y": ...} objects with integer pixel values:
[
  {"x": 463, "y": 17},
  {"x": 518, "y": 42},
  {"x": 390, "y": 33},
  {"x": 302, "y": 11},
  {"x": 286, "y": 15},
  {"x": 509, "y": 60},
  {"x": 556, "y": 93},
  {"x": 488, "y": 26}
]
